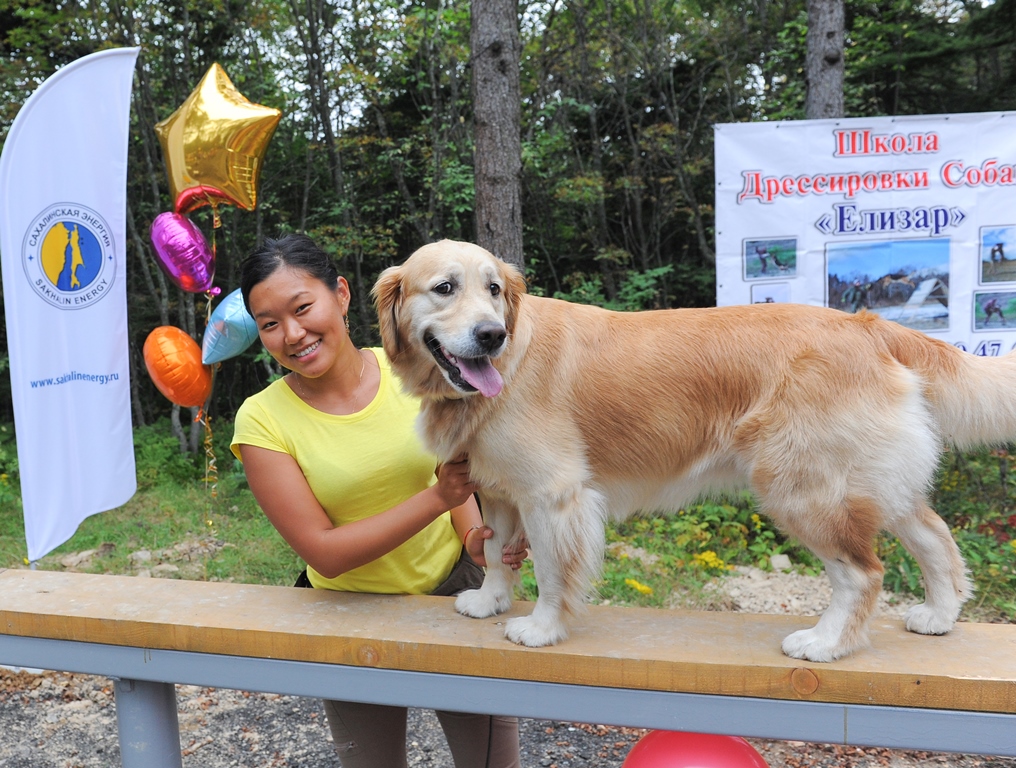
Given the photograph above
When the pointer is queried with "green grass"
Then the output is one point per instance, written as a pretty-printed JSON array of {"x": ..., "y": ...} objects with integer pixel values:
[
  {"x": 174, "y": 516},
  {"x": 227, "y": 538},
  {"x": 659, "y": 561}
]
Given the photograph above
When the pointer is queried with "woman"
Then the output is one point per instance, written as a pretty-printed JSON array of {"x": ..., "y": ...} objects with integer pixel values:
[{"x": 332, "y": 457}]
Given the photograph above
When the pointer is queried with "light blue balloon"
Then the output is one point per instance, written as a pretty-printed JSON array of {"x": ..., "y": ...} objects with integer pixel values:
[{"x": 229, "y": 332}]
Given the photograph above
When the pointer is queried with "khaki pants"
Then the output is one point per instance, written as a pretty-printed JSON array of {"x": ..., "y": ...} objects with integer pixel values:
[{"x": 374, "y": 736}]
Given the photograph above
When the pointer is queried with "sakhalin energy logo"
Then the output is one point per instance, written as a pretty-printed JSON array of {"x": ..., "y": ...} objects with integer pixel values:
[{"x": 68, "y": 256}]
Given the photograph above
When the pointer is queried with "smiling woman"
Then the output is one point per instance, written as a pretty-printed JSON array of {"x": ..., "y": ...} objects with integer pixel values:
[{"x": 331, "y": 454}]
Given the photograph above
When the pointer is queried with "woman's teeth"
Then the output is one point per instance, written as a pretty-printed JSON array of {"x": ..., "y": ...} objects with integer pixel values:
[{"x": 308, "y": 350}]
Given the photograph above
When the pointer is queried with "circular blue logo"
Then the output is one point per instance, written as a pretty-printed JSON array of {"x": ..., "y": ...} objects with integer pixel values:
[{"x": 68, "y": 256}]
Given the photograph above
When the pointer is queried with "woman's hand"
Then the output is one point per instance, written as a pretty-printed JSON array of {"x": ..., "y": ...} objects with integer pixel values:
[
  {"x": 515, "y": 552},
  {"x": 453, "y": 483},
  {"x": 512, "y": 555}
]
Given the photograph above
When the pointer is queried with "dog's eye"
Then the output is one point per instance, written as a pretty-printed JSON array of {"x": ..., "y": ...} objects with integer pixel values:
[
  {"x": 443, "y": 288},
  {"x": 495, "y": 289}
]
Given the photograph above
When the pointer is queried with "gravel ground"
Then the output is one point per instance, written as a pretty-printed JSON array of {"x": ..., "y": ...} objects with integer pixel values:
[{"x": 57, "y": 720}]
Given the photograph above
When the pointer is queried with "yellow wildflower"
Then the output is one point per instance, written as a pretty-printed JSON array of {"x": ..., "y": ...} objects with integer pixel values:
[
  {"x": 710, "y": 560},
  {"x": 639, "y": 586}
]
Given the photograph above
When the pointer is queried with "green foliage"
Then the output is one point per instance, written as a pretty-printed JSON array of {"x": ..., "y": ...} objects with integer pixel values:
[
  {"x": 637, "y": 291},
  {"x": 8, "y": 452},
  {"x": 10, "y": 490},
  {"x": 701, "y": 541},
  {"x": 455, "y": 188},
  {"x": 901, "y": 57},
  {"x": 654, "y": 560},
  {"x": 784, "y": 85},
  {"x": 264, "y": 357},
  {"x": 158, "y": 457},
  {"x": 974, "y": 494}
]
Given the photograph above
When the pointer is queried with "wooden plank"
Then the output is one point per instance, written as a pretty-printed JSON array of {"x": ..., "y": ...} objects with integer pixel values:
[{"x": 972, "y": 669}]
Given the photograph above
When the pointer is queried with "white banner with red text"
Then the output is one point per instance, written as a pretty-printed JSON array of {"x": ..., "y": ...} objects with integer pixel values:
[
  {"x": 63, "y": 183},
  {"x": 912, "y": 218}
]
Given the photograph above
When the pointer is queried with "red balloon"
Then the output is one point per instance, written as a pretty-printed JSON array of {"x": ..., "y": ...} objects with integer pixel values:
[
  {"x": 173, "y": 360},
  {"x": 680, "y": 749}
]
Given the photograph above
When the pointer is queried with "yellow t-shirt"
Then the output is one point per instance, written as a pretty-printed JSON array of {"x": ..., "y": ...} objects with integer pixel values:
[{"x": 357, "y": 466}]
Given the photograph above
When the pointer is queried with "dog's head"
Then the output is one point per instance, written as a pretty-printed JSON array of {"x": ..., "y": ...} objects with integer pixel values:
[{"x": 446, "y": 314}]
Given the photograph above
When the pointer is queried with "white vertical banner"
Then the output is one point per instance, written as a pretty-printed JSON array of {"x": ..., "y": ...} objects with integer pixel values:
[{"x": 63, "y": 186}]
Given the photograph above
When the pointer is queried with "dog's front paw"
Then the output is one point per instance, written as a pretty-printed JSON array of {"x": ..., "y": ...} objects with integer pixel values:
[
  {"x": 525, "y": 630},
  {"x": 811, "y": 645},
  {"x": 926, "y": 621},
  {"x": 480, "y": 604}
]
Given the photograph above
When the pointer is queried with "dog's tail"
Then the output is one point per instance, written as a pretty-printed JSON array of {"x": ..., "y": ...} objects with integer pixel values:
[{"x": 973, "y": 398}]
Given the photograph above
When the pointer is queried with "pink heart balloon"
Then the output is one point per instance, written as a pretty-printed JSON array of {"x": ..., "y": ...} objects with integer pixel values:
[{"x": 183, "y": 253}]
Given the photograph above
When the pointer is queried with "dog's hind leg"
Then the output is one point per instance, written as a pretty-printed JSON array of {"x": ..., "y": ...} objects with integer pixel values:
[
  {"x": 495, "y": 594},
  {"x": 845, "y": 541},
  {"x": 946, "y": 583},
  {"x": 567, "y": 540}
]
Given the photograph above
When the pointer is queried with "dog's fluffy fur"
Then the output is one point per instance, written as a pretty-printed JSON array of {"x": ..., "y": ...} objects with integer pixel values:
[{"x": 835, "y": 422}]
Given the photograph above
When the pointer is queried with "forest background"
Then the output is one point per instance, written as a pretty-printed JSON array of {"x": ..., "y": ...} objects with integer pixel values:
[{"x": 374, "y": 154}]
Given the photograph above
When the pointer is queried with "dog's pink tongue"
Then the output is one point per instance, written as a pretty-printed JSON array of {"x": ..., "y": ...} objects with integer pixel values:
[{"x": 482, "y": 375}]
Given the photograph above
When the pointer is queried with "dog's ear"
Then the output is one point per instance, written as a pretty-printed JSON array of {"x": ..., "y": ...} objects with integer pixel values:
[
  {"x": 387, "y": 293},
  {"x": 514, "y": 289}
]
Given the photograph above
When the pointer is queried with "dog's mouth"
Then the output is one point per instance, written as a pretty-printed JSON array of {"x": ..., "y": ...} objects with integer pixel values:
[{"x": 470, "y": 374}]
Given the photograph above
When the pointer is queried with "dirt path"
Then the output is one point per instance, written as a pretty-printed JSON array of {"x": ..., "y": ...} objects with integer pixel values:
[{"x": 57, "y": 720}]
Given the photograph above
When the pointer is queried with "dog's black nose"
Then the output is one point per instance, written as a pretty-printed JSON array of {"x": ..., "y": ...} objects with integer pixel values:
[{"x": 489, "y": 336}]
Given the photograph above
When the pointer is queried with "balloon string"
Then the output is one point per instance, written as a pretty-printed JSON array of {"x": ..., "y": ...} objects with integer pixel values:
[
  {"x": 215, "y": 290},
  {"x": 211, "y": 469},
  {"x": 215, "y": 226}
]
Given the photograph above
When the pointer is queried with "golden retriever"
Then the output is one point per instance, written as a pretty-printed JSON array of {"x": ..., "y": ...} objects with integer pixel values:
[{"x": 573, "y": 415}]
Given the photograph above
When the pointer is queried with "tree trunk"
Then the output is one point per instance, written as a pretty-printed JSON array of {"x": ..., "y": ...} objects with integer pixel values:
[
  {"x": 824, "y": 61},
  {"x": 497, "y": 104}
]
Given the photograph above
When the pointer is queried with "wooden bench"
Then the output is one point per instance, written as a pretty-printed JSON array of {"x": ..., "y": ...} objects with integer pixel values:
[{"x": 679, "y": 670}]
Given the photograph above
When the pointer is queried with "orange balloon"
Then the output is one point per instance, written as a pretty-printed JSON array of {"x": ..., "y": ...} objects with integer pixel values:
[{"x": 173, "y": 360}]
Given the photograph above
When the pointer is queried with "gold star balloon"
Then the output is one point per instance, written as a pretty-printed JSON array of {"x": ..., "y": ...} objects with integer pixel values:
[{"x": 214, "y": 145}]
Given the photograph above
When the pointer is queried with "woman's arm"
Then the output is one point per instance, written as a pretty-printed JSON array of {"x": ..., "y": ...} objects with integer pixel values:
[
  {"x": 285, "y": 497},
  {"x": 473, "y": 533}
]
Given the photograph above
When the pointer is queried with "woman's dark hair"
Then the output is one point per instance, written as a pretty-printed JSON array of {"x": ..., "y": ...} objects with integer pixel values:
[{"x": 294, "y": 251}]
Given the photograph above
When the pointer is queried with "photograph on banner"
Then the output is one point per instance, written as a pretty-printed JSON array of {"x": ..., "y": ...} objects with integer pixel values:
[
  {"x": 770, "y": 293},
  {"x": 994, "y": 310},
  {"x": 765, "y": 259},
  {"x": 996, "y": 242},
  {"x": 906, "y": 281},
  {"x": 907, "y": 217}
]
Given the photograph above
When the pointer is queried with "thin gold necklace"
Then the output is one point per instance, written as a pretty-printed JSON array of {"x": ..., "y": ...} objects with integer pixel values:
[{"x": 356, "y": 392}]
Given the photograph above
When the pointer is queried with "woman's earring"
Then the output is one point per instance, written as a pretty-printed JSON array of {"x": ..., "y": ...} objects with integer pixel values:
[{"x": 345, "y": 319}]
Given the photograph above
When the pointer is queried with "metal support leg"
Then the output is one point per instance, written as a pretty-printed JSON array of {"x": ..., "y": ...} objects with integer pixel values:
[{"x": 147, "y": 724}]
